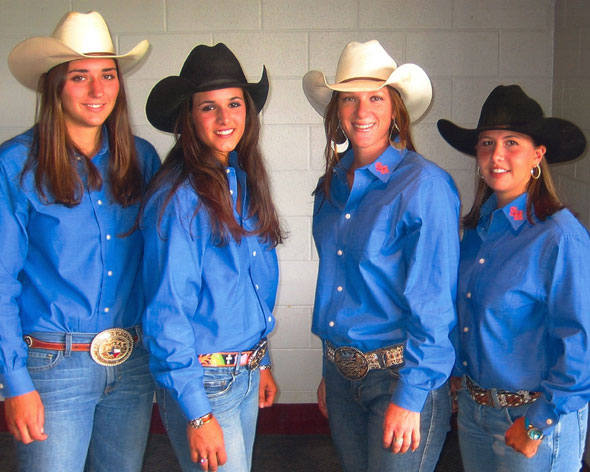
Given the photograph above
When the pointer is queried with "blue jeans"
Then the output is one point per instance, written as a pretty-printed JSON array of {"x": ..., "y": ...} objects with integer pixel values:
[
  {"x": 233, "y": 395},
  {"x": 483, "y": 448},
  {"x": 355, "y": 411},
  {"x": 97, "y": 418}
]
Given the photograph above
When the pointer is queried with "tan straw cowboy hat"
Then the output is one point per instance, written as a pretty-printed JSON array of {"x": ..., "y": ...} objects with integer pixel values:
[
  {"x": 76, "y": 36},
  {"x": 365, "y": 67}
]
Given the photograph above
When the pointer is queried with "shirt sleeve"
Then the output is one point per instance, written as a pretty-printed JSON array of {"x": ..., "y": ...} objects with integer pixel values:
[
  {"x": 567, "y": 386},
  {"x": 431, "y": 255},
  {"x": 173, "y": 253},
  {"x": 14, "y": 376}
]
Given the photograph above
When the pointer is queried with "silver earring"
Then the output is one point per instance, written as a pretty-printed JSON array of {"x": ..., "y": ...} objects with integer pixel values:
[
  {"x": 341, "y": 143},
  {"x": 395, "y": 127},
  {"x": 538, "y": 174},
  {"x": 478, "y": 172}
]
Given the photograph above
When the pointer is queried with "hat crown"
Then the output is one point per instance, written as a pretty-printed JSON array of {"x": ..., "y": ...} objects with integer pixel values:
[
  {"x": 364, "y": 61},
  {"x": 85, "y": 33},
  {"x": 508, "y": 106},
  {"x": 210, "y": 67}
]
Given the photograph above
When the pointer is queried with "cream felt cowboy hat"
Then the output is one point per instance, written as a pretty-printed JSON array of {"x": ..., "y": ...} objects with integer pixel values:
[
  {"x": 365, "y": 67},
  {"x": 76, "y": 36}
]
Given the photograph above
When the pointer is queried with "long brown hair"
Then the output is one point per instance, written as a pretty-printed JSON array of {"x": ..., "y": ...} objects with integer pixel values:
[
  {"x": 542, "y": 198},
  {"x": 53, "y": 154},
  {"x": 190, "y": 159},
  {"x": 334, "y": 134}
]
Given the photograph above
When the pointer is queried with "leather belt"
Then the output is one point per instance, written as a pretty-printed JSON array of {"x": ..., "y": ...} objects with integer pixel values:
[
  {"x": 504, "y": 398},
  {"x": 355, "y": 364},
  {"x": 251, "y": 358},
  {"x": 109, "y": 347}
]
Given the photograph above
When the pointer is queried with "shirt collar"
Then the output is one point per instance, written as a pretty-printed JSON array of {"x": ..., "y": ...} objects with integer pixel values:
[
  {"x": 514, "y": 212},
  {"x": 382, "y": 167},
  {"x": 233, "y": 160}
]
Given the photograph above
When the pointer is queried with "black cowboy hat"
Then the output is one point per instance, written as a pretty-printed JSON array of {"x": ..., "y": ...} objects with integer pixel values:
[
  {"x": 508, "y": 107},
  {"x": 206, "y": 68}
]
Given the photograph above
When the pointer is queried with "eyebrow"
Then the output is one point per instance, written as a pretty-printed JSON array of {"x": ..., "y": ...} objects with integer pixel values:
[{"x": 106, "y": 69}]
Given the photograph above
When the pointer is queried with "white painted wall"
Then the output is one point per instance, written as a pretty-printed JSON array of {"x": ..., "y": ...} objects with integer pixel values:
[{"x": 466, "y": 46}]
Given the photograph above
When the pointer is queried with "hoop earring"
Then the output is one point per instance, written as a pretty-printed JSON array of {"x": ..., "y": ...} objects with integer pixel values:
[
  {"x": 339, "y": 146},
  {"x": 478, "y": 172},
  {"x": 536, "y": 177},
  {"x": 395, "y": 127}
]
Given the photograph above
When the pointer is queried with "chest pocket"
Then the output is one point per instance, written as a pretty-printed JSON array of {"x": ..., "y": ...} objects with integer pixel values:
[{"x": 369, "y": 231}]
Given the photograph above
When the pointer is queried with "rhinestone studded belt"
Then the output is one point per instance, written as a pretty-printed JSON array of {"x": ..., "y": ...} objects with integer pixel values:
[
  {"x": 485, "y": 396},
  {"x": 355, "y": 364}
]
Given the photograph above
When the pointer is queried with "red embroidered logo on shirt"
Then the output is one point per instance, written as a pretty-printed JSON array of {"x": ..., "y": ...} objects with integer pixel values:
[
  {"x": 516, "y": 213},
  {"x": 383, "y": 169}
]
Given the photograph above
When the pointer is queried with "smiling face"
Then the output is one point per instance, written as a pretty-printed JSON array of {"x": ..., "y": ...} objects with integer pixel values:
[
  {"x": 89, "y": 94},
  {"x": 365, "y": 118},
  {"x": 506, "y": 159},
  {"x": 219, "y": 117}
]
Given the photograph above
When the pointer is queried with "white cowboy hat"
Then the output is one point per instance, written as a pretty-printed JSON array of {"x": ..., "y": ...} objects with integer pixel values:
[
  {"x": 76, "y": 36},
  {"x": 365, "y": 67}
]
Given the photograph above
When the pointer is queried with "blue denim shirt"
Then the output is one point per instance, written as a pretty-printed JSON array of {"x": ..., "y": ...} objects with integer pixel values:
[
  {"x": 524, "y": 308},
  {"x": 202, "y": 298},
  {"x": 389, "y": 253},
  {"x": 63, "y": 269}
]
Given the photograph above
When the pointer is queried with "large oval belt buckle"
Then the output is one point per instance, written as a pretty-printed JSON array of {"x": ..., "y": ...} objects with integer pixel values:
[
  {"x": 257, "y": 355},
  {"x": 351, "y": 362},
  {"x": 111, "y": 347}
]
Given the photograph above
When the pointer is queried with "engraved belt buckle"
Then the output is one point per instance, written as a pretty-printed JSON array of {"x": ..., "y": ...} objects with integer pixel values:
[
  {"x": 351, "y": 362},
  {"x": 111, "y": 347},
  {"x": 257, "y": 355}
]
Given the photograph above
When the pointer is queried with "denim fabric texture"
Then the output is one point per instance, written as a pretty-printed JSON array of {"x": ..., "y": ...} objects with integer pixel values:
[
  {"x": 96, "y": 418},
  {"x": 356, "y": 410},
  {"x": 483, "y": 447},
  {"x": 233, "y": 395}
]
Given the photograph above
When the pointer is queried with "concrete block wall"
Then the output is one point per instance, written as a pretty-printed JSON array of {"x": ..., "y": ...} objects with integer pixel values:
[
  {"x": 466, "y": 46},
  {"x": 571, "y": 96}
]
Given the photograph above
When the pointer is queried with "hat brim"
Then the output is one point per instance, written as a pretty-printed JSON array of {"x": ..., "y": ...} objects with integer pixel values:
[
  {"x": 409, "y": 80},
  {"x": 564, "y": 140},
  {"x": 165, "y": 99},
  {"x": 36, "y": 56}
]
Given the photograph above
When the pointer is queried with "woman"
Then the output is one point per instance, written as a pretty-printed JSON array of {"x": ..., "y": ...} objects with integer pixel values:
[
  {"x": 72, "y": 368},
  {"x": 523, "y": 298},
  {"x": 211, "y": 230},
  {"x": 386, "y": 229}
]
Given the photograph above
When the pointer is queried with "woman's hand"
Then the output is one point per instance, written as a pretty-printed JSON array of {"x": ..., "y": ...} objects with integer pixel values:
[
  {"x": 268, "y": 389},
  {"x": 322, "y": 398},
  {"x": 401, "y": 429},
  {"x": 25, "y": 417},
  {"x": 206, "y": 445},
  {"x": 518, "y": 440}
]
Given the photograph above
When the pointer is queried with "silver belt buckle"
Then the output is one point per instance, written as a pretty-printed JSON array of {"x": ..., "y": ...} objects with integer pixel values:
[
  {"x": 257, "y": 355},
  {"x": 111, "y": 347},
  {"x": 351, "y": 362}
]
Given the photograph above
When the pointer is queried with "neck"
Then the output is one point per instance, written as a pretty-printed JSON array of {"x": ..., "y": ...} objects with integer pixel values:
[
  {"x": 86, "y": 140},
  {"x": 364, "y": 157}
]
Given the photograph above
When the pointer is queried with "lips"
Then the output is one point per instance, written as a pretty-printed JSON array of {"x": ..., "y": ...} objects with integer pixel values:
[
  {"x": 363, "y": 127},
  {"x": 224, "y": 132},
  {"x": 499, "y": 171}
]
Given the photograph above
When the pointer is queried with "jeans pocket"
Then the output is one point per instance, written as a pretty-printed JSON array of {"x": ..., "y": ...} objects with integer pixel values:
[
  {"x": 217, "y": 384},
  {"x": 39, "y": 360}
]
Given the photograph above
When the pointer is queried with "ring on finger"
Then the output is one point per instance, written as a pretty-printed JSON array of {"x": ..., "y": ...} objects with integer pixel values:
[
  {"x": 398, "y": 440},
  {"x": 203, "y": 460}
]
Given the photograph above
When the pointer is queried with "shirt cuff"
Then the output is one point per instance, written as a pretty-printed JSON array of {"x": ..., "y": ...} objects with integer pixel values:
[
  {"x": 409, "y": 397},
  {"x": 15, "y": 383},
  {"x": 194, "y": 405},
  {"x": 541, "y": 415}
]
